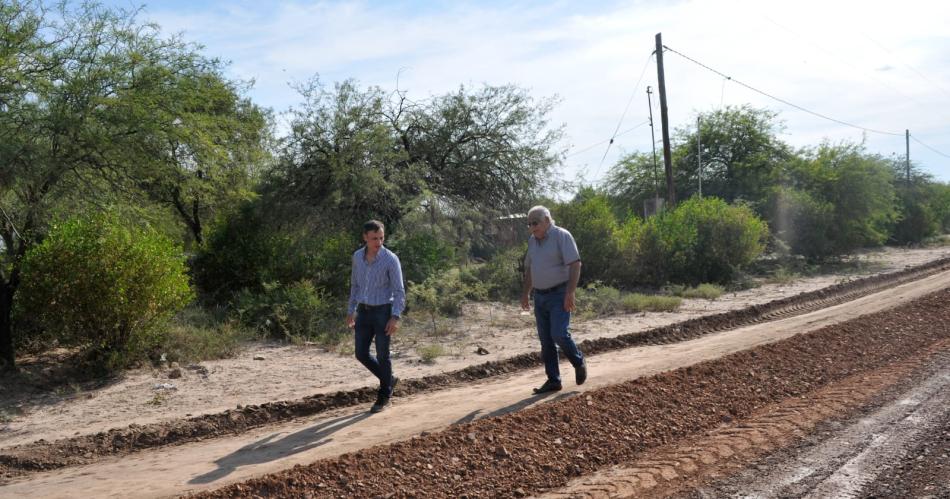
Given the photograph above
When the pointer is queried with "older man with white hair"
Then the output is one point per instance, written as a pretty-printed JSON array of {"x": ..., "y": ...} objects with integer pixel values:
[{"x": 552, "y": 269}]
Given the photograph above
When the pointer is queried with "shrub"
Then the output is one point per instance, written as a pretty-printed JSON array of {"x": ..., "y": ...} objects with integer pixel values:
[
  {"x": 593, "y": 225},
  {"x": 804, "y": 223},
  {"x": 502, "y": 276},
  {"x": 444, "y": 293},
  {"x": 104, "y": 286},
  {"x": 250, "y": 251},
  {"x": 701, "y": 240},
  {"x": 195, "y": 334},
  {"x": 705, "y": 290},
  {"x": 289, "y": 311},
  {"x": 429, "y": 353},
  {"x": 423, "y": 255},
  {"x": 916, "y": 220},
  {"x": 636, "y": 302},
  {"x": 596, "y": 300}
]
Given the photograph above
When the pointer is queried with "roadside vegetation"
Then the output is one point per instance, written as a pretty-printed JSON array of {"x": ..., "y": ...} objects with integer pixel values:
[{"x": 153, "y": 212}]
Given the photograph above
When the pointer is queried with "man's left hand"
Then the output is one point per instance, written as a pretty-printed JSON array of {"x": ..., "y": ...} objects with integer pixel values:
[
  {"x": 392, "y": 326},
  {"x": 569, "y": 301}
]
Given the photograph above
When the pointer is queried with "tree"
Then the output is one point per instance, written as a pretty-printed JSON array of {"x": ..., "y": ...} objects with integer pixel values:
[
  {"x": 89, "y": 103},
  {"x": 355, "y": 153},
  {"x": 632, "y": 181},
  {"x": 740, "y": 154},
  {"x": 490, "y": 148},
  {"x": 207, "y": 160},
  {"x": 840, "y": 195}
]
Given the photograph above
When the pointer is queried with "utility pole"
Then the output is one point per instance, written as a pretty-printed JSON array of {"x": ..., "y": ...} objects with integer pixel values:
[
  {"x": 907, "y": 156},
  {"x": 653, "y": 143},
  {"x": 699, "y": 156},
  {"x": 665, "y": 123}
]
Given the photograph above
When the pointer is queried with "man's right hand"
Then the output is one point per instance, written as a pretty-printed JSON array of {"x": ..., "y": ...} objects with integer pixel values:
[
  {"x": 351, "y": 321},
  {"x": 525, "y": 302}
]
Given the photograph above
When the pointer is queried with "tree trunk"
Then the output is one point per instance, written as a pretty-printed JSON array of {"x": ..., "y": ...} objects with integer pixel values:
[{"x": 7, "y": 353}]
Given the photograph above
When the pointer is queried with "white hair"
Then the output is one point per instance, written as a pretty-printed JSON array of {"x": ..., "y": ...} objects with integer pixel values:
[{"x": 540, "y": 211}]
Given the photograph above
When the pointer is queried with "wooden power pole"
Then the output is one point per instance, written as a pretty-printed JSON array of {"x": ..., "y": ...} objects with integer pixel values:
[
  {"x": 907, "y": 156},
  {"x": 665, "y": 123}
]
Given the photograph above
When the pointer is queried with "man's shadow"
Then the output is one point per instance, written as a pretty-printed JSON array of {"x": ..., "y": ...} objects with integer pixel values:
[
  {"x": 267, "y": 449},
  {"x": 517, "y": 406}
]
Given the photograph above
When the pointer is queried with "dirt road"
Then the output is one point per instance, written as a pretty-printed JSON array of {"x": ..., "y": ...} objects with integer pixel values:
[{"x": 346, "y": 435}]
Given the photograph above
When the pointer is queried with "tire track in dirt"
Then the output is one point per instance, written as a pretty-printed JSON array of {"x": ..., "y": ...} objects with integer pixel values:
[
  {"x": 86, "y": 449},
  {"x": 733, "y": 446}
]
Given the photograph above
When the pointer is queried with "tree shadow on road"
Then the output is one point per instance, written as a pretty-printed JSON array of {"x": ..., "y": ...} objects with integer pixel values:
[{"x": 268, "y": 449}]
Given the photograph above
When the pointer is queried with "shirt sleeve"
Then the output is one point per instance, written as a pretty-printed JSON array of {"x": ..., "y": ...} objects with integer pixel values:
[
  {"x": 354, "y": 286},
  {"x": 395, "y": 283},
  {"x": 569, "y": 248}
]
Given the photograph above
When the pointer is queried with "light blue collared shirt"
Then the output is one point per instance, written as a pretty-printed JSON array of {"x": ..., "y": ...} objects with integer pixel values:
[{"x": 377, "y": 283}]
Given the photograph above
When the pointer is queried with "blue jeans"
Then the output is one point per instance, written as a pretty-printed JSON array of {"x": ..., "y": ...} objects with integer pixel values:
[
  {"x": 370, "y": 325},
  {"x": 553, "y": 331}
]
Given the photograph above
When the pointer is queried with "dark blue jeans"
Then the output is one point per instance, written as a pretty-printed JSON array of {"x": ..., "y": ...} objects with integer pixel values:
[
  {"x": 553, "y": 331},
  {"x": 370, "y": 325}
]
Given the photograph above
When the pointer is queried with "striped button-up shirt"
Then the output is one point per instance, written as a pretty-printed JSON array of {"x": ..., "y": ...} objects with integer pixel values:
[{"x": 376, "y": 283}]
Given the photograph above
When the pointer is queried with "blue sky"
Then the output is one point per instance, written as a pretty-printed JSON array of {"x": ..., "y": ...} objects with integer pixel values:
[{"x": 880, "y": 66}]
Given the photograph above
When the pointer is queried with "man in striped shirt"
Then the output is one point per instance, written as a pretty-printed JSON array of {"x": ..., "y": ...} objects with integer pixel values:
[{"x": 377, "y": 299}]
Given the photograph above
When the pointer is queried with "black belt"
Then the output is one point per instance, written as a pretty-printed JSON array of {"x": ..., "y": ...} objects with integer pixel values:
[
  {"x": 362, "y": 307},
  {"x": 559, "y": 287}
]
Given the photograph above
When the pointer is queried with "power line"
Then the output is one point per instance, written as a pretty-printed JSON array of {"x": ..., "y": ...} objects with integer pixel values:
[
  {"x": 593, "y": 146},
  {"x": 841, "y": 60},
  {"x": 783, "y": 101},
  {"x": 928, "y": 147},
  {"x": 912, "y": 68},
  {"x": 624, "y": 115}
]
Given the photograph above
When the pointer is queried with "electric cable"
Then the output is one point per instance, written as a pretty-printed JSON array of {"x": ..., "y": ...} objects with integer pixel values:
[{"x": 783, "y": 101}]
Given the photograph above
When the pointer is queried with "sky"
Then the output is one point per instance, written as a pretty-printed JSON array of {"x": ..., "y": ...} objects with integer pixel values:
[{"x": 847, "y": 71}]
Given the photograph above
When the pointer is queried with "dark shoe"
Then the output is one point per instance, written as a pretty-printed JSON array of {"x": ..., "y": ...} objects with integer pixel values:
[
  {"x": 548, "y": 386},
  {"x": 392, "y": 385},
  {"x": 382, "y": 402},
  {"x": 580, "y": 373}
]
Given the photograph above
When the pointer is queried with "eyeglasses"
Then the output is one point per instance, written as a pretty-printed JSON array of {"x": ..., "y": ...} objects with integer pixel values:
[{"x": 532, "y": 223}]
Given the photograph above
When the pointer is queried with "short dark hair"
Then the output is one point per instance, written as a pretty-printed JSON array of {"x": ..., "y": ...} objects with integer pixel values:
[{"x": 373, "y": 226}]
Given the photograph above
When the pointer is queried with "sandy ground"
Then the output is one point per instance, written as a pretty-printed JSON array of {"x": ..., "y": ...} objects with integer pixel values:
[
  {"x": 270, "y": 372},
  {"x": 216, "y": 462}
]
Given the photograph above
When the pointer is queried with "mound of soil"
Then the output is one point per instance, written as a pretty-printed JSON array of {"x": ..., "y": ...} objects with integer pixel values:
[{"x": 543, "y": 447}]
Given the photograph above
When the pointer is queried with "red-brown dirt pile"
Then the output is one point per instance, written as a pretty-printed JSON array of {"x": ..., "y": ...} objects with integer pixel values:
[{"x": 543, "y": 447}]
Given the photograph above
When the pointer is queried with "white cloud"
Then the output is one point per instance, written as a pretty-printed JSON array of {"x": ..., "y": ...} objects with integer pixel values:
[{"x": 825, "y": 56}]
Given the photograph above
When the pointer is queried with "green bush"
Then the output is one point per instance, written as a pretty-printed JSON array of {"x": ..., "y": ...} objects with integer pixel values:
[
  {"x": 109, "y": 288},
  {"x": 290, "y": 311},
  {"x": 596, "y": 300},
  {"x": 502, "y": 276},
  {"x": 444, "y": 293},
  {"x": 195, "y": 335},
  {"x": 701, "y": 240},
  {"x": 423, "y": 255},
  {"x": 636, "y": 302},
  {"x": 626, "y": 269},
  {"x": 705, "y": 290},
  {"x": 250, "y": 251},
  {"x": 589, "y": 219},
  {"x": 803, "y": 223},
  {"x": 428, "y": 353},
  {"x": 917, "y": 219}
]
